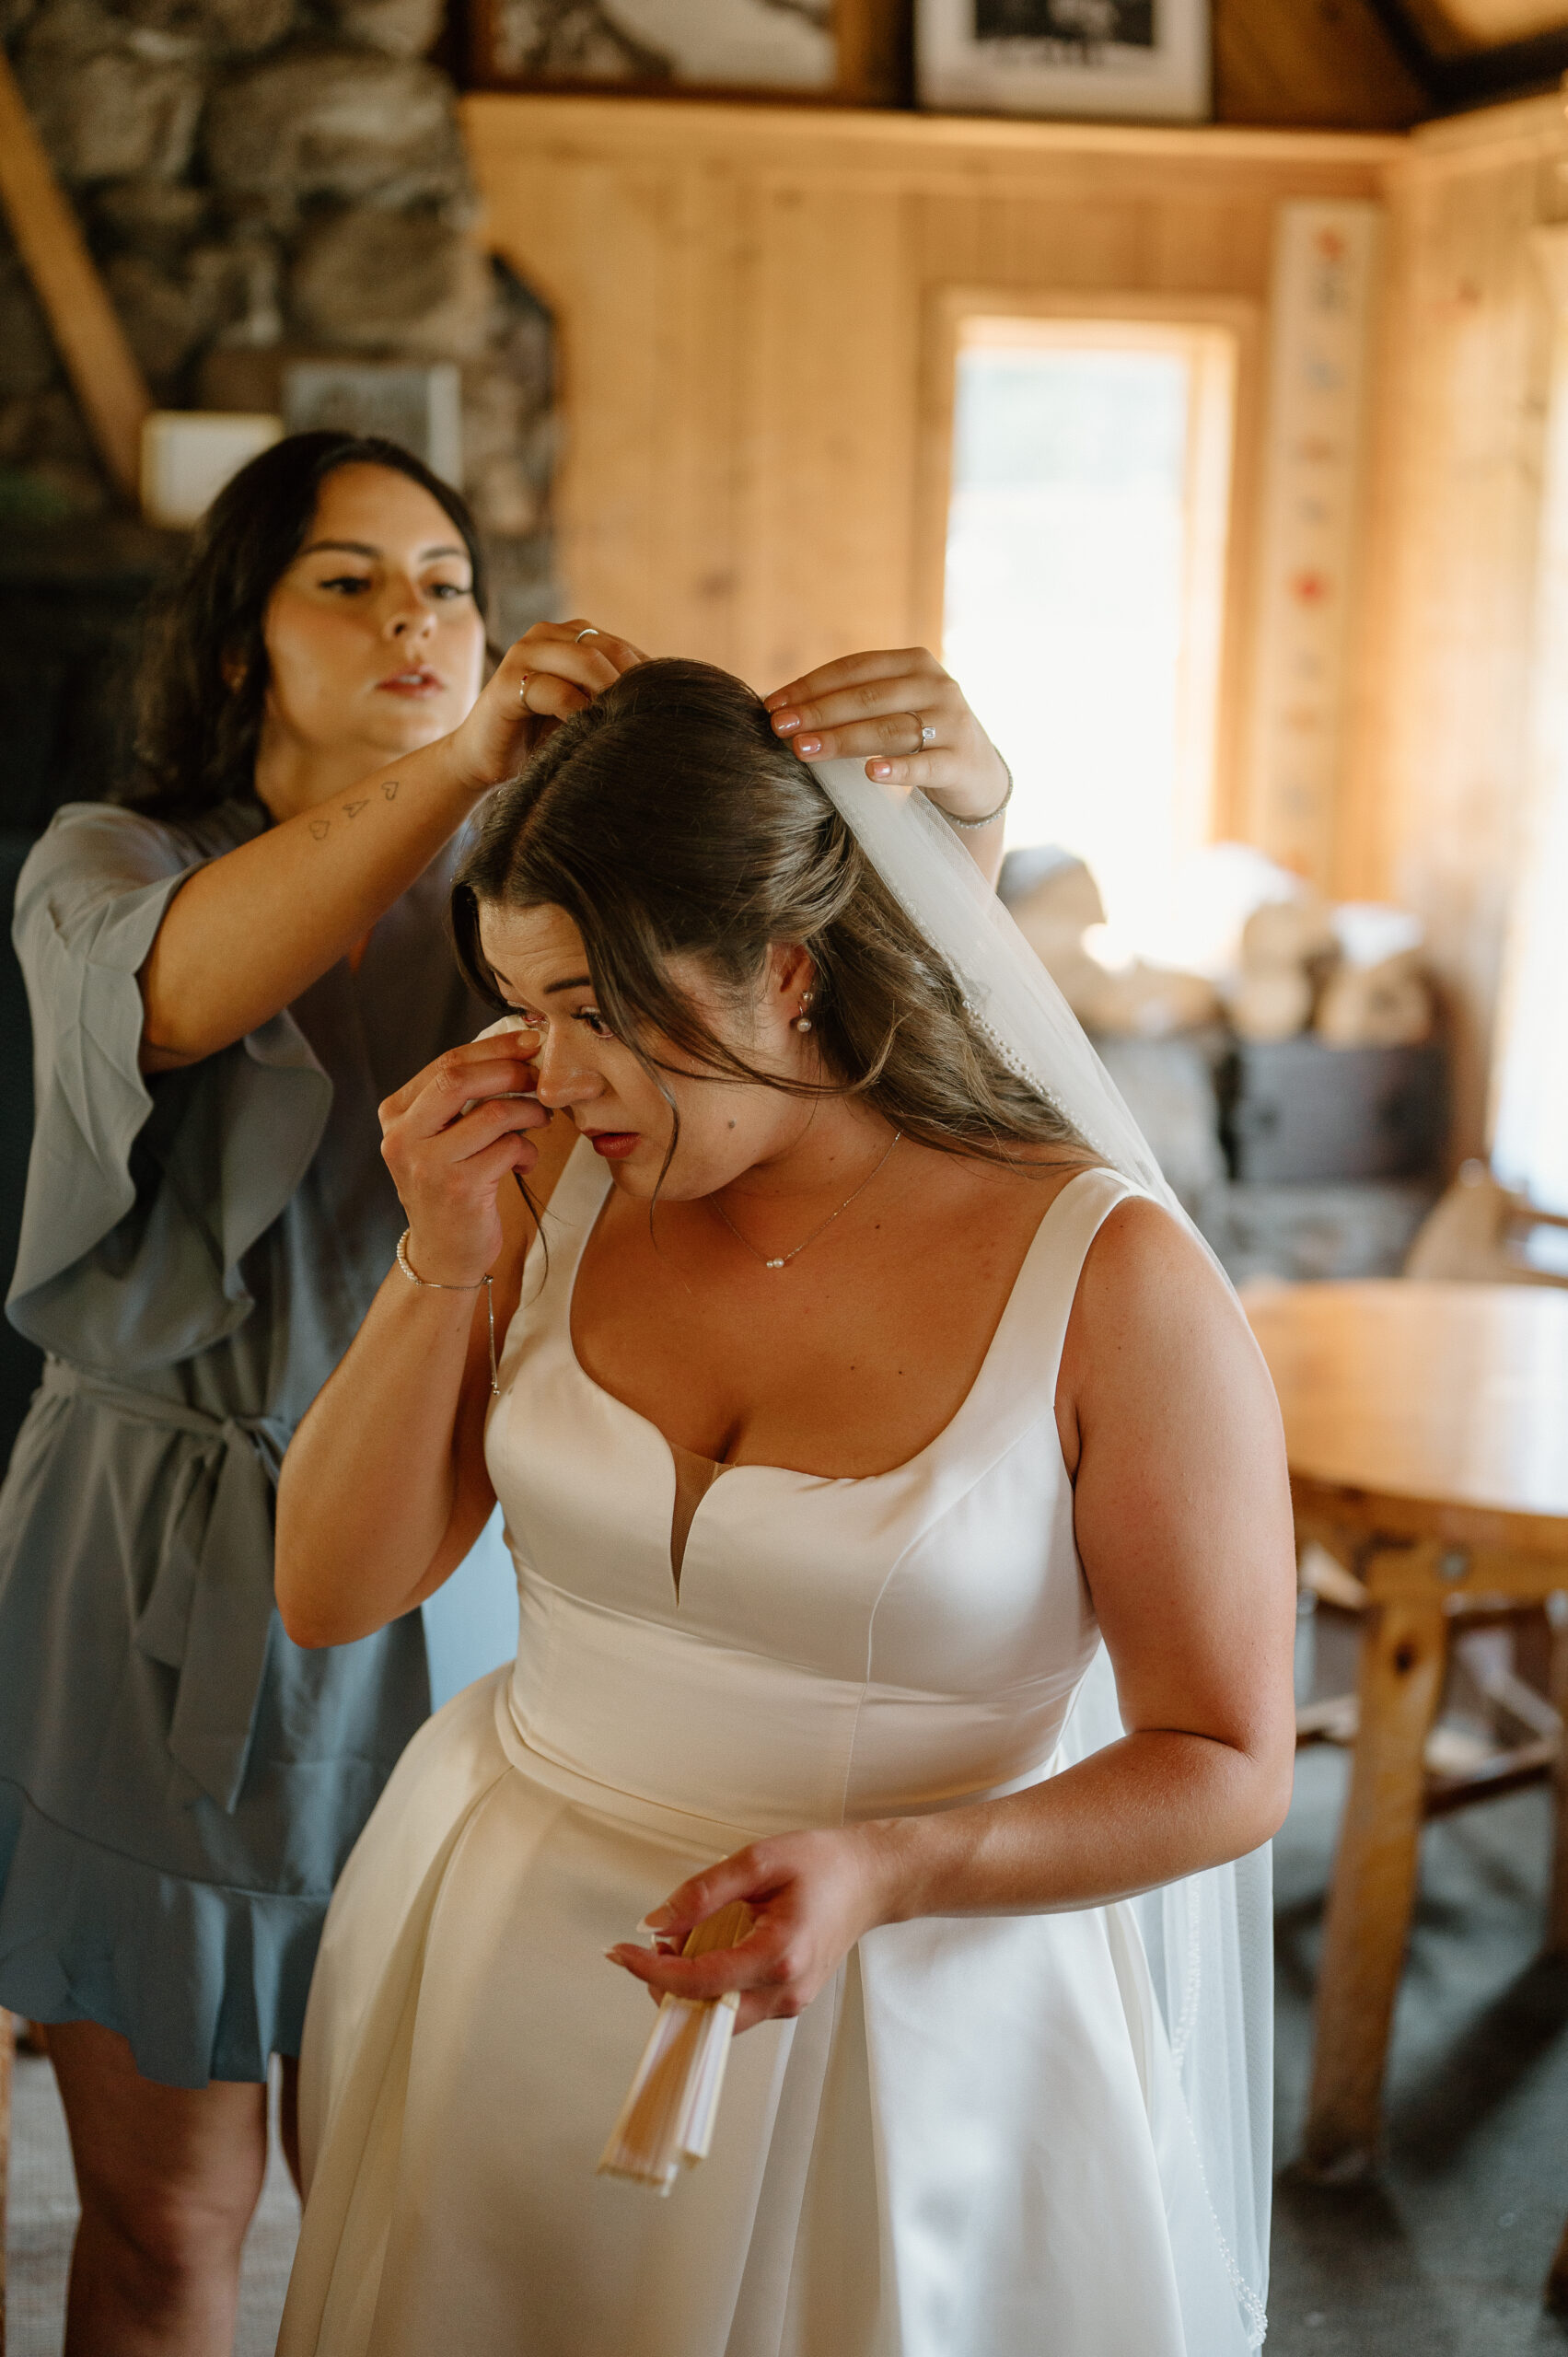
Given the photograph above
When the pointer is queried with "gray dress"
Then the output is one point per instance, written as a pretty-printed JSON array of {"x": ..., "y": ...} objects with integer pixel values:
[{"x": 179, "y": 1784}]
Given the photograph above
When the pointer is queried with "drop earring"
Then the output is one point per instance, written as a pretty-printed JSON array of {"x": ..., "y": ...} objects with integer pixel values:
[{"x": 803, "y": 1021}]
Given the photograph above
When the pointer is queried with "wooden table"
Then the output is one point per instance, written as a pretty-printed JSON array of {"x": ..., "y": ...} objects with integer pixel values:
[{"x": 1427, "y": 1430}]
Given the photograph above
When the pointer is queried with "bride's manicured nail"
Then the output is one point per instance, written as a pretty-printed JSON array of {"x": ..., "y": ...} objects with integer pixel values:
[
  {"x": 786, "y": 723},
  {"x": 807, "y": 746},
  {"x": 880, "y": 769},
  {"x": 657, "y": 1919}
]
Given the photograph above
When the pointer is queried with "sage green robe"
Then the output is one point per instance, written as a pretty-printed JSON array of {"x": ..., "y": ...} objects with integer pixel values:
[{"x": 180, "y": 1784}]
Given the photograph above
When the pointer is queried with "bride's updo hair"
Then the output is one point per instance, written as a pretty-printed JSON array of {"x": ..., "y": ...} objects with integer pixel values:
[{"x": 668, "y": 821}]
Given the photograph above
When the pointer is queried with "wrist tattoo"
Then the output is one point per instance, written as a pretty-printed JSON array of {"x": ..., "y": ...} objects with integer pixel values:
[
  {"x": 389, "y": 789},
  {"x": 320, "y": 829},
  {"x": 352, "y": 809}
]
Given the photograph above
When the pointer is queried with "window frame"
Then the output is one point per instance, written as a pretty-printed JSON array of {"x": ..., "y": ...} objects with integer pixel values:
[{"x": 1212, "y": 788}]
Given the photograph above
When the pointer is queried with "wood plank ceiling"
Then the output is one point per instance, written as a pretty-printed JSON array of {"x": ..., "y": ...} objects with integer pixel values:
[
  {"x": 1470, "y": 50},
  {"x": 1381, "y": 64}
]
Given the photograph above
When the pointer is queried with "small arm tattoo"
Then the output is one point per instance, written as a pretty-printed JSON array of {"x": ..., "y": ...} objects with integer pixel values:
[
  {"x": 352, "y": 809},
  {"x": 389, "y": 789},
  {"x": 320, "y": 829}
]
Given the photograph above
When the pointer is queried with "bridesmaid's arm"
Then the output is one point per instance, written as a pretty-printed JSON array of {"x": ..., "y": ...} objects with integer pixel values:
[
  {"x": 252, "y": 930},
  {"x": 1171, "y": 1429},
  {"x": 385, "y": 1487}
]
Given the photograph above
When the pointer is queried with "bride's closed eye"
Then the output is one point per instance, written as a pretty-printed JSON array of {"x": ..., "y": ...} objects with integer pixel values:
[{"x": 590, "y": 1016}]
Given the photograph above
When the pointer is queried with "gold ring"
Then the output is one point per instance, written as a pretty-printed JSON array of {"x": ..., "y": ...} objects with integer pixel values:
[{"x": 589, "y": 632}]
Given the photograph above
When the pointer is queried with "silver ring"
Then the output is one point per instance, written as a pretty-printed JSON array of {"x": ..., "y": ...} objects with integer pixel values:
[
  {"x": 589, "y": 632},
  {"x": 523, "y": 690},
  {"x": 927, "y": 731}
]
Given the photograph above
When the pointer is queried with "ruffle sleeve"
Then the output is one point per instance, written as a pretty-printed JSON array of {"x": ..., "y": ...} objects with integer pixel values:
[{"x": 143, "y": 1193}]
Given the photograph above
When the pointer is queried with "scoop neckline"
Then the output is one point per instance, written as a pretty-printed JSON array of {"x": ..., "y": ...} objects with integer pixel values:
[{"x": 794, "y": 1472}]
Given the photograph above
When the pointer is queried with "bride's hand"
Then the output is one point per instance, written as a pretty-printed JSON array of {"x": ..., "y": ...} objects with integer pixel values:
[
  {"x": 812, "y": 1895},
  {"x": 550, "y": 672},
  {"x": 879, "y": 705},
  {"x": 449, "y": 1137}
]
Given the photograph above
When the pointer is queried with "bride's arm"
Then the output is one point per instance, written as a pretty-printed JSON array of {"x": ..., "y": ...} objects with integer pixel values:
[
  {"x": 1182, "y": 1515},
  {"x": 384, "y": 1488}
]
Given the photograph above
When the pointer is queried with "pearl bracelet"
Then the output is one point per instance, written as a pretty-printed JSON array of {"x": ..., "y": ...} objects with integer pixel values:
[{"x": 428, "y": 1285}]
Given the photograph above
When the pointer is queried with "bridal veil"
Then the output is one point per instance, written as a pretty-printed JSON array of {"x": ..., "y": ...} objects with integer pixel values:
[{"x": 1209, "y": 1937}]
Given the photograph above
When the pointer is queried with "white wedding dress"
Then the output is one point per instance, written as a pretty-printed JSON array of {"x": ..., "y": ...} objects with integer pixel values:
[{"x": 974, "y": 2142}]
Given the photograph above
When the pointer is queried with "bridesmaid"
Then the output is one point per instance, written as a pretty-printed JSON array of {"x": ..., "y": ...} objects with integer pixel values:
[{"x": 228, "y": 970}]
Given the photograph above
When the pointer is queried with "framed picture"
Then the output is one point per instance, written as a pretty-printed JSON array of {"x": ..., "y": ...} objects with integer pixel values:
[
  {"x": 1140, "y": 59},
  {"x": 853, "y": 51}
]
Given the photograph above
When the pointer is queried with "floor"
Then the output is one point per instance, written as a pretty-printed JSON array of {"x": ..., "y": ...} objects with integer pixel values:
[
  {"x": 1445, "y": 2255},
  {"x": 43, "y": 2217},
  {"x": 1443, "y": 2258}
]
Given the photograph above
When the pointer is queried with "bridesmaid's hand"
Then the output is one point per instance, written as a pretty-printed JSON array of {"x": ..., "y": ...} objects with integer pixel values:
[
  {"x": 877, "y": 705},
  {"x": 552, "y": 671},
  {"x": 449, "y": 1137},
  {"x": 812, "y": 1896}
]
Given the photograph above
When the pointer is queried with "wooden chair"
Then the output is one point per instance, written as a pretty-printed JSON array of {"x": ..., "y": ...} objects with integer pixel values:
[
  {"x": 1478, "y": 1231},
  {"x": 1525, "y": 1742}
]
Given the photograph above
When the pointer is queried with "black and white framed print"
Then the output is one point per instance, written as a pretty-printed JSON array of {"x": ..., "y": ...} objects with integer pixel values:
[{"x": 1132, "y": 58}]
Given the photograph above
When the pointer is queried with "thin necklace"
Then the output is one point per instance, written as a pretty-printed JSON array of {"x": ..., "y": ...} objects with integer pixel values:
[{"x": 784, "y": 1259}]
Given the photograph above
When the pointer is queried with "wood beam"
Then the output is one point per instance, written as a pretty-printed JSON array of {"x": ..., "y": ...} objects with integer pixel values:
[{"x": 104, "y": 376}]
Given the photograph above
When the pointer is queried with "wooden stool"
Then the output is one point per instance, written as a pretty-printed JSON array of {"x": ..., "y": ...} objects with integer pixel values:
[{"x": 1426, "y": 1427}]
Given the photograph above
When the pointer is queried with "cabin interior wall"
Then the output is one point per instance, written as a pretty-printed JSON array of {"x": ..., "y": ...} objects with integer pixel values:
[
  {"x": 750, "y": 307},
  {"x": 749, "y": 303},
  {"x": 1437, "y": 789}
]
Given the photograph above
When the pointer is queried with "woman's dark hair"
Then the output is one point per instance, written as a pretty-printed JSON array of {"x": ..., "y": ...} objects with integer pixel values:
[
  {"x": 667, "y": 821},
  {"x": 202, "y": 684}
]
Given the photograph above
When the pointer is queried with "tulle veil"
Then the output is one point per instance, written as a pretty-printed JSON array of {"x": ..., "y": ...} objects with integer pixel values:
[{"x": 1209, "y": 1937}]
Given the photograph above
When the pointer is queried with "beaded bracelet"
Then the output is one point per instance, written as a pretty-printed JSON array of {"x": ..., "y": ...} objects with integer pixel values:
[
  {"x": 428, "y": 1285},
  {"x": 972, "y": 825}
]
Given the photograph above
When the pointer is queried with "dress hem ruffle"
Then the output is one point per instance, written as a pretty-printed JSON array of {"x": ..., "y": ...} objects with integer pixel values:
[{"x": 206, "y": 1981}]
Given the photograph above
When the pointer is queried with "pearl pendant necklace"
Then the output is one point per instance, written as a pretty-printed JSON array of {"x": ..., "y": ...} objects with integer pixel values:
[{"x": 784, "y": 1259}]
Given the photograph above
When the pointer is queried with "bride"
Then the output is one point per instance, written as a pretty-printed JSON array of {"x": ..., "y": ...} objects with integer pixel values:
[{"x": 858, "y": 1379}]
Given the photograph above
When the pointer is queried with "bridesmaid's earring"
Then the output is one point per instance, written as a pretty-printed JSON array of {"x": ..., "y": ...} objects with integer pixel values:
[{"x": 803, "y": 1021}]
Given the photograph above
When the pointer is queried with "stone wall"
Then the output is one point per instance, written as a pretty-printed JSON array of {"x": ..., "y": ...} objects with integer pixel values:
[{"x": 266, "y": 179}]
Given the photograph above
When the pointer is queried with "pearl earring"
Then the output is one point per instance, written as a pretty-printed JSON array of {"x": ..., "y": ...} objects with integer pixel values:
[{"x": 803, "y": 1021}]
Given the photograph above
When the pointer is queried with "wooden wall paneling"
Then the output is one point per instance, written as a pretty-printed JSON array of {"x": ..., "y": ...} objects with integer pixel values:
[
  {"x": 1436, "y": 785},
  {"x": 825, "y": 543},
  {"x": 742, "y": 296}
]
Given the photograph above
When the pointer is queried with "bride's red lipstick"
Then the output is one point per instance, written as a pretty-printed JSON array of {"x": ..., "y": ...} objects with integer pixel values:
[{"x": 614, "y": 1145}]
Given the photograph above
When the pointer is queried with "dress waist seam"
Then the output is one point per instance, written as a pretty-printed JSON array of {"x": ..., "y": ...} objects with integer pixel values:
[{"x": 682, "y": 1828}]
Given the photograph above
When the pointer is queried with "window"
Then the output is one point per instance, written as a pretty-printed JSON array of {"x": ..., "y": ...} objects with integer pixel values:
[{"x": 1085, "y": 582}]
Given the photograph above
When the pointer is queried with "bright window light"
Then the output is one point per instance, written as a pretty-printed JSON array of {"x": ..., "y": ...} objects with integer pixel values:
[{"x": 1085, "y": 584}]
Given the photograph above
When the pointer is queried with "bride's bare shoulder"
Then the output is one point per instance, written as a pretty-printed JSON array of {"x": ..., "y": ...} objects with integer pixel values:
[{"x": 1149, "y": 1283}]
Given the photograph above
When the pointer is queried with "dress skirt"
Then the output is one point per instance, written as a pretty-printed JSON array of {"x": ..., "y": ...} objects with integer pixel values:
[{"x": 970, "y": 2145}]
